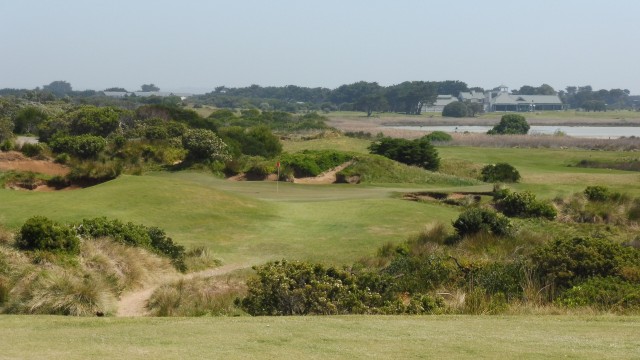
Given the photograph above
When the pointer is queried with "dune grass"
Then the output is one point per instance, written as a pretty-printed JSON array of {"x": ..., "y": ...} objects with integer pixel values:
[{"x": 336, "y": 337}]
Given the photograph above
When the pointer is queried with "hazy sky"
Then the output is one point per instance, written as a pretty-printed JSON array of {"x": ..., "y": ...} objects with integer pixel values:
[{"x": 191, "y": 44}]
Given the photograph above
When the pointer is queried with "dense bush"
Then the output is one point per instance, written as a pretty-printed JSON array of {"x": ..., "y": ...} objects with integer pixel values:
[
  {"x": 418, "y": 152},
  {"x": 31, "y": 150},
  {"x": 567, "y": 262},
  {"x": 312, "y": 163},
  {"x": 438, "y": 136},
  {"x": 296, "y": 288},
  {"x": 475, "y": 220},
  {"x": 505, "y": 278},
  {"x": 510, "y": 124},
  {"x": 203, "y": 144},
  {"x": 82, "y": 146},
  {"x": 601, "y": 193},
  {"x": 500, "y": 172},
  {"x": 603, "y": 293},
  {"x": 524, "y": 204},
  {"x": 40, "y": 233},
  {"x": 455, "y": 109},
  {"x": 419, "y": 273},
  {"x": 255, "y": 141}
]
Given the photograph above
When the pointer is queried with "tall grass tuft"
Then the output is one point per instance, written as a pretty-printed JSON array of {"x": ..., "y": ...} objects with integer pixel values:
[{"x": 197, "y": 297}]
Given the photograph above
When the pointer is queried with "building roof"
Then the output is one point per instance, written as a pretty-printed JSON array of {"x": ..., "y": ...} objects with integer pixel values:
[
  {"x": 472, "y": 95},
  {"x": 443, "y": 100},
  {"x": 510, "y": 99}
]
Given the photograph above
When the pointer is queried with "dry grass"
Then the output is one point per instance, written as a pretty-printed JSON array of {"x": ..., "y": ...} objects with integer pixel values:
[
  {"x": 49, "y": 283},
  {"x": 197, "y": 297},
  {"x": 543, "y": 141}
]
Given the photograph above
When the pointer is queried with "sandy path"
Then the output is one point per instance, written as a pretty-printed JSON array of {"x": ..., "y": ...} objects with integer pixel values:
[
  {"x": 134, "y": 303},
  {"x": 327, "y": 177},
  {"x": 14, "y": 160}
]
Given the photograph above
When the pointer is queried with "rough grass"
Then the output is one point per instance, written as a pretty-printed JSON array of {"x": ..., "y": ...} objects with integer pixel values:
[
  {"x": 339, "y": 337},
  {"x": 376, "y": 169},
  {"x": 542, "y": 141},
  {"x": 48, "y": 283}
]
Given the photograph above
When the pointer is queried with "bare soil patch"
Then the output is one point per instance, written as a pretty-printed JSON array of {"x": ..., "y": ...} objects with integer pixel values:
[{"x": 15, "y": 161}]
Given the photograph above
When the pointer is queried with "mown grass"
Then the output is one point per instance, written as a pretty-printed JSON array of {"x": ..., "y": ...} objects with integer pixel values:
[
  {"x": 241, "y": 222},
  {"x": 338, "y": 337}
]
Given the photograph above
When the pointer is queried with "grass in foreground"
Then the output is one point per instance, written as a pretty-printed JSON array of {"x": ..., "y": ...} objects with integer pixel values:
[{"x": 352, "y": 337}]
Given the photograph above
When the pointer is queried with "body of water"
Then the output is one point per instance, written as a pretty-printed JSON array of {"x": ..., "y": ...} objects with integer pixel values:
[{"x": 594, "y": 132}]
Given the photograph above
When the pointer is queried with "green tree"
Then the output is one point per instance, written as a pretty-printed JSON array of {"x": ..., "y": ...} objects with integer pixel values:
[
  {"x": 6, "y": 129},
  {"x": 58, "y": 88},
  {"x": 149, "y": 88},
  {"x": 510, "y": 124},
  {"x": 455, "y": 109},
  {"x": 500, "y": 172}
]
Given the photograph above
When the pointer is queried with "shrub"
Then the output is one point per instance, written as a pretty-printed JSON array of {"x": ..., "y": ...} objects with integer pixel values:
[
  {"x": 418, "y": 152},
  {"x": 203, "y": 144},
  {"x": 475, "y": 220},
  {"x": 500, "y": 278},
  {"x": 297, "y": 288},
  {"x": 566, "y": 262},
  {"x": 455, "y": 109},
  {"x": 40, "y": 233},
  {"x": 313, "y": 163},
  {"x": 597, "y": 193},
  {"x": 603, "y": 293},
  {"x": 524, "y": 204},
  {"x": 31, "y": 150},
  {"x": 82, "y": 146},
  {"x": 7, "y": 145},
  {"x": 500, "y": 172},
  {"x": 510, "y": 124},
  {"x": 438, "y": 136}
]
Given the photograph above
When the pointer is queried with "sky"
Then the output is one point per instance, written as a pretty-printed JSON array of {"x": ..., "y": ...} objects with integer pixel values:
[{"x": 197, "y": 45}]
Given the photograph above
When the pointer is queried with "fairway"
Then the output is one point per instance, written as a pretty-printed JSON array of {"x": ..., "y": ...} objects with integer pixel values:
[
  {"x": 243, "y": 222},
  {"x": 327, "y": 337}
]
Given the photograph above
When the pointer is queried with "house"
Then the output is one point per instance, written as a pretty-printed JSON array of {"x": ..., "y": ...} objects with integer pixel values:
[
  {"x": 439, "y": 104},
  {"x": 502, "y": 100},
  {"x": 472, "y": 97}
]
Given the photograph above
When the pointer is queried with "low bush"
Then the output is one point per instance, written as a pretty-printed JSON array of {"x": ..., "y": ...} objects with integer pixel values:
[
  {"x": 94, "y": 172},
  {"x": 455, "y": 109},
  {"x": 40, "y": 233},
  {"x": 312, "y": 163},
  {"x": 418, "y": 152},
  {"x": 603, "y": 293},
  {"x": 440, "y": 136},
  {"x": 82, "y": 146},
  {"x": 31, "y": 150},
  {"x": 500, "y": 172},
  {"x": 567, "y": 262},
  {"x": 475, "y": 220},
  {"x": 525, "y": 205},
  {"x": 510, "y": 124},
  {"x": 597, "y": 193}
]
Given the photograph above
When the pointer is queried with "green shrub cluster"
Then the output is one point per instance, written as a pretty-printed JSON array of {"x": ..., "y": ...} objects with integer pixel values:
[
  {"x": 438, "y": 136},
  {"x": 603, "y": 293},
  {"x": 31, "y": 150},
  {"x": 475, "y": 220},
  {"x": 500, "y": 172},
  {"x": 567, "y": 262},
  {"x": 524, "y": 204},
  {"x": 298, "y": 288},
  {"x": 455, "y": 109},
  {"x": 134, "y": 235},
  {"x": 82, "y": 146},
  {"x": 40, "y": 233},
  {"x": 203, "y": 144},
  {"x": 418, "y": 152},
  {"x": 312, "y": 163},
  {"x": 254, "y": 141}
]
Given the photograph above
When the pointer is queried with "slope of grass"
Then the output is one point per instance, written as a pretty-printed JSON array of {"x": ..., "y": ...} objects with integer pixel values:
[
  {"x": 376, "y": 169},
  {"x": 339, "y": 337},
  {"x": 247, "y": 222}
]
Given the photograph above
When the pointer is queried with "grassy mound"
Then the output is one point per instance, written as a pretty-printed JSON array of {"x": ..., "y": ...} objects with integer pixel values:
[{"x": 376, "y": 169}]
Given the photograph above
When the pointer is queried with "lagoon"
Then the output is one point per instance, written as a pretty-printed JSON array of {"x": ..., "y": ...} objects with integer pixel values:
[{"x": 593, "y": 132}]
